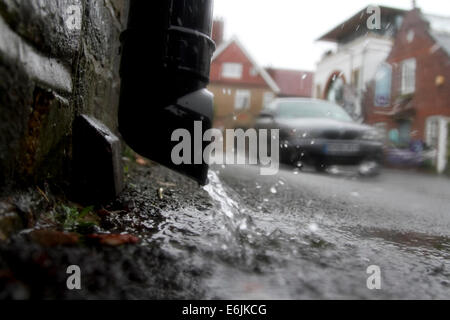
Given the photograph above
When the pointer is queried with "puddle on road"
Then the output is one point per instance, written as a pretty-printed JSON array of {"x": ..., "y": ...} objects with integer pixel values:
[{"x": 406, "y": 240}]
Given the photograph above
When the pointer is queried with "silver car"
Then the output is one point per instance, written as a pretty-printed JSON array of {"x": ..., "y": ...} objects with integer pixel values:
[{"x": 321, "y": 134}]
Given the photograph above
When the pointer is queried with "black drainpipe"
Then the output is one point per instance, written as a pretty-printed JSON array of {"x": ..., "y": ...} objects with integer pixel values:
[{"x": 166, "y": 56}]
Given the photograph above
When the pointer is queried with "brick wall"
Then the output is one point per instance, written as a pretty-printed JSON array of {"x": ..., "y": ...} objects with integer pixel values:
[
  {"x": 225, "y": 114},
  {"x": 58, "y": 59},
  {"x": 432, "y": 62},
  {"x": 224, "y": 89}
]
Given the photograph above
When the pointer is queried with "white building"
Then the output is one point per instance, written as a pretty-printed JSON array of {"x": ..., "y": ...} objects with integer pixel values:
[{"x": 361, "y": 47}]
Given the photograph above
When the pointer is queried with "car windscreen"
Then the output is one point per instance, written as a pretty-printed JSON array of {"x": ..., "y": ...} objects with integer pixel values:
[{"x": 311, "y": 109}]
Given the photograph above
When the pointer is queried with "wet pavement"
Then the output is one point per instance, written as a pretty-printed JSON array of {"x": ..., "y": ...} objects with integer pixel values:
[
  {"x": 325, "y": 230},
  {"x": 296, "y": 235}
]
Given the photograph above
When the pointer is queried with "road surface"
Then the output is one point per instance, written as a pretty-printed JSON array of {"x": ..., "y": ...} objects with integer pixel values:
[
  {"x": 314, "y": 236},
  {"x": 294, "y": 235}
]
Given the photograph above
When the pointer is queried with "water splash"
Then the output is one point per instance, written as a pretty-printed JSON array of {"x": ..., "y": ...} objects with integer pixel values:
[
  {"x": 238, "y": 230},
  {"x": 217, "y": 192}
]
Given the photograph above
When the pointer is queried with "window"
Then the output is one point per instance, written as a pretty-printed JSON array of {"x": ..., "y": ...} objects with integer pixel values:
[
  {"x": 242, "y": 99},
  {"x": 232, "y": 70},
  {"x": 432, "y": 132},
  {"x": 383, "y": 82},
  {"x": 253, "y": 72},
  {"x": 268, "y": 98},
  {"x": 408, "y": 76},
  {"x": 410, "y": 36}
]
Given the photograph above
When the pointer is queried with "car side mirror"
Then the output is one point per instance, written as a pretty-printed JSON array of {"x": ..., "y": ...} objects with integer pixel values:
[{"x": 266, "y": 115}]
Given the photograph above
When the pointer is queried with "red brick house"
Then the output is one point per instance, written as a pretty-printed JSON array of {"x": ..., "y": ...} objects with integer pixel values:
[
  {"x": 293, "y": 83},
  {"x": 240, "y": 86},
  {"x": 410, "y": 98}
]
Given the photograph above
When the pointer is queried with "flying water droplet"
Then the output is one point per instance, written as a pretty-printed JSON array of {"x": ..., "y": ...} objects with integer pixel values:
[{"x": 313, "y": 227}]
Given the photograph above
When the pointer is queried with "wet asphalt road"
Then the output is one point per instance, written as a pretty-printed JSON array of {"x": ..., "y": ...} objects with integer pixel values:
[
  {"x": 318, "y": 234},
  {"x": 401, "y": 201},
  {"x": 295, "y": 235}
]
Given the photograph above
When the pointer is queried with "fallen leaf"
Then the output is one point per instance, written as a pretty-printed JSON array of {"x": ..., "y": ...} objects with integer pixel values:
[
  {"x": 113, "y": 239},
  {"x": 141, "y": 161},
  {"x": 53, "y": 238},
  {"x": 103, "y": 213}
]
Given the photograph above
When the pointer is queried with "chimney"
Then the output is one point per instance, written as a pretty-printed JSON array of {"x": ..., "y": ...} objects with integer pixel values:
[{"x": 218, "y": 31}]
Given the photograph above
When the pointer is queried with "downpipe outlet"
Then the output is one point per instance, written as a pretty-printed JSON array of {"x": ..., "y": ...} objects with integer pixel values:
[{"x": 166, "y": 57}]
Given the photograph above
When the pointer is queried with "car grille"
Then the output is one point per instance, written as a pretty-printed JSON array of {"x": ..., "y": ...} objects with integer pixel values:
[{"x": 340, "y": 135}]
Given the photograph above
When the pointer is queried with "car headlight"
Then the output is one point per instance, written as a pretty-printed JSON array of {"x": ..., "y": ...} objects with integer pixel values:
[{"x": 372, "y": 135}]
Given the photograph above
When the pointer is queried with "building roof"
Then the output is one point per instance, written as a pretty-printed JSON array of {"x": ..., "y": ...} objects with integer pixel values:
[
  {"x": 350, "y": 25},
  {"x": 267, "y": 78},
  {"x": 293, "y": 83},
  {"x": 440, "y": 30}
]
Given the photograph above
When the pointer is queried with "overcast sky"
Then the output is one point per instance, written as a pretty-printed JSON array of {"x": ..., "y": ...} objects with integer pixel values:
[{"x": 282, "y": 33}]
